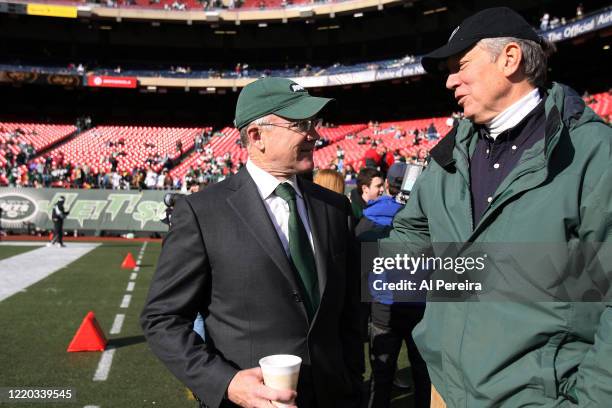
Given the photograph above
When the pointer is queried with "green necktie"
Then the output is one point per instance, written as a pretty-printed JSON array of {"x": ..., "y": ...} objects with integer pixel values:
[{"x": 300, "y": 250}]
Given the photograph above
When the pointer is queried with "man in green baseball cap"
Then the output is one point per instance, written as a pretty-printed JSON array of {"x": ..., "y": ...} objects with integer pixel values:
[
  {"x": 268, "y": 260},
  {"x": 277, "y": 119}
]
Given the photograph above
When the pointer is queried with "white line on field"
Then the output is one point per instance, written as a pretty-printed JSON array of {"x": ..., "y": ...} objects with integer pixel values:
[
  {"x": 130, "y": 286},
  {"x": 104, "y": 365},
  {"x": 91, "y": 406},
  {"x": 136, "y": 268},
  {"x": 117, "y": 324},
  {"x": 125, "y": 302},
  {"x": 133, "y": 276},
  {"x": 18, "y": 272}
]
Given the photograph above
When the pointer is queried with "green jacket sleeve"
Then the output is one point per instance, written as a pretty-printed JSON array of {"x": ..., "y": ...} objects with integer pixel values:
[
  {"x": 410, "y": 225},
  {"x": 593, "y": 386}
]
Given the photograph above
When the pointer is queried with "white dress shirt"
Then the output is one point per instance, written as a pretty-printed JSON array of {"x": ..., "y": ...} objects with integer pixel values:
[{"x": 277, "y": 208}]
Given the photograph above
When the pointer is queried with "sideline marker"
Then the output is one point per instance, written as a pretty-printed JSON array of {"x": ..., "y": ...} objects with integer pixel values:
[
  {"x": 89, "y": 336},
  {"x": 128, "y": 262}
]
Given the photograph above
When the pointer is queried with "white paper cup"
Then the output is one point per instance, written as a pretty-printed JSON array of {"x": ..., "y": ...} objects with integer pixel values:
[{"x": 281, "y": 372}]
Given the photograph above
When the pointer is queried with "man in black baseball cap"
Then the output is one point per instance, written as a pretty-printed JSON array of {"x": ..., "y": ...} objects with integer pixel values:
[
  {"x": 489, "y": 23},
  {"x": 530, "y": 163}
]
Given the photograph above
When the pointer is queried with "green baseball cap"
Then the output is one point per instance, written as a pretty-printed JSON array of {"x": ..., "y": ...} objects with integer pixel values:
[{"x": 280, "y": 96}]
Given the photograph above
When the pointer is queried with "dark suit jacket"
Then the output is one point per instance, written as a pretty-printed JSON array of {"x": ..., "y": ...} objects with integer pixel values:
[{"x": 223, "y": 258}]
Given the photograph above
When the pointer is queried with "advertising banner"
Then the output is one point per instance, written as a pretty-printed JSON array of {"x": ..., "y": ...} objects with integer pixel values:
[
  {"x": 28, "y": 77},
  {"x": 112, "y": 82},
  {"x": 98, "y": 210},
  {"x": 49, "y": 10},
  {"x": 580, "y": 27}
]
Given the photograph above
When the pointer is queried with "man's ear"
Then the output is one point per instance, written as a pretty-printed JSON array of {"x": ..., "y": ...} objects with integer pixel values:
[
  {"x": 254, "y": 134},
  {"x": 510, "y": 59}
]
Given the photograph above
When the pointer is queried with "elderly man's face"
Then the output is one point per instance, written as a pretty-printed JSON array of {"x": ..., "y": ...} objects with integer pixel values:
[
  {"x": 287, "y": 149},
  {"x": 478, "y": 84}
]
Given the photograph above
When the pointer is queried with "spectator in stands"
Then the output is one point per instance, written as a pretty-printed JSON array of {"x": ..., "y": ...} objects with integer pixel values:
[
  {"x": 339, "y": 153},
  {"x": 432, "y": 132},
  {"x": 554, "y": 23},
  {"x": 372, "y": 156},
  {"x": 151, "y": 179},
  {"x": 350, "y": 176},
  {"x": 167, "y": 182},
  {"x": 544, "y": 21},
  {"x": 370, "y": 186},
  {"x": 330, "y": 179},
  {"x": 529, "y": 164},
  {"x": 116, "y": 180},
  {"x": 198, "y": 143},
  {"x": 159, "y": 185}
]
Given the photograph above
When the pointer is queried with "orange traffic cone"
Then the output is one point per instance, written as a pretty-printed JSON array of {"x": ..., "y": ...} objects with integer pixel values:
[
  {"x": 128, "y": 262},
  {"x": 89, "y": 337}
]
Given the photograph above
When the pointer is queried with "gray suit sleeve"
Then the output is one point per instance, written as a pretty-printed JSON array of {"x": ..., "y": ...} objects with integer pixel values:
[{"x": 177, "y": 293}]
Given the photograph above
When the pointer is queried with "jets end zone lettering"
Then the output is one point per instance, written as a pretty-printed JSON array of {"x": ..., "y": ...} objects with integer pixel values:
[{"x": 89, "y": 209}]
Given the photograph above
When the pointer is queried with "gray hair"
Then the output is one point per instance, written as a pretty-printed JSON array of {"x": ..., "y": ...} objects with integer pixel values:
[
  {"x": 244, "y": 133},
  {"x": 534, "y": 63}
]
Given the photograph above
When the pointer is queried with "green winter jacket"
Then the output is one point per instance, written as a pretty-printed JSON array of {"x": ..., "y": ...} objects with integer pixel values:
[{"x": 510, "y": 354}]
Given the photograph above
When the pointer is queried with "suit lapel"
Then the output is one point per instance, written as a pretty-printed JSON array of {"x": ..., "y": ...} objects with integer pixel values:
[
  {"x": 249, "y": 207},
  {"x": 317, "y": 216}
]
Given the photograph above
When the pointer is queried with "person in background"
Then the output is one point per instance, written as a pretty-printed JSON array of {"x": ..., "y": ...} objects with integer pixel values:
[
  {"x": 370, "y": 186},
  {"x": 391, "y": 322},
  {"x": 58, "y": 214},
  {"x": 330, "y": 179}
]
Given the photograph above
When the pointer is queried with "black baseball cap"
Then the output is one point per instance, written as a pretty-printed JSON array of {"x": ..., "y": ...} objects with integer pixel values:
[{"x": 489, "y": 23}]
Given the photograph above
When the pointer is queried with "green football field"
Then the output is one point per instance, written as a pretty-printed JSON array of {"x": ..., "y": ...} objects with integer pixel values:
[
  {"x": 38, "y": 324},
  {"x": 8, "y": 251}
]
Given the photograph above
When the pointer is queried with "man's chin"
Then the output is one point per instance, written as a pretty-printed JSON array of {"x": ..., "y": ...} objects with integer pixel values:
[{"x": 305, "y": 166}]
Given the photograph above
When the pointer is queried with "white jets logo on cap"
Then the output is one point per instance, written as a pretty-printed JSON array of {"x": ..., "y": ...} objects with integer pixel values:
[
  {"x": 453, "y": 33},
  {"x": 297, "y": 88}
]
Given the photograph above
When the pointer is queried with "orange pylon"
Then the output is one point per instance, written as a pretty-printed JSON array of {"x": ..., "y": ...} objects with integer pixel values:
[{"x": 89, "y": 336}]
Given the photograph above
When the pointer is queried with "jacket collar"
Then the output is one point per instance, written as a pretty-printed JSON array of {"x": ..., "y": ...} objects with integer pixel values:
[{"x": 563, "y": 106}]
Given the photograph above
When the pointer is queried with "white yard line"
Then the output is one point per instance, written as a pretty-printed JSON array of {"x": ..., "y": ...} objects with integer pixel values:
[
  {"x": 104, "y": 366},
  {"x": 125, "y": 302},
  {"x": 20, "y": 271},
  {"x": 117, "y": 324},
  {"x": 106, "y": 360},
  {"x": 22, "y": 243}
]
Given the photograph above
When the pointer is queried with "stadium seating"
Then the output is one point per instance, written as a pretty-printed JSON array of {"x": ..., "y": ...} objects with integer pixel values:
[
  {"x": 93, "y": 147},
  {"x": 228, "y": 143},
  {"x": 39, "y": 135},
  {"x": 603, "y": 104}
]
